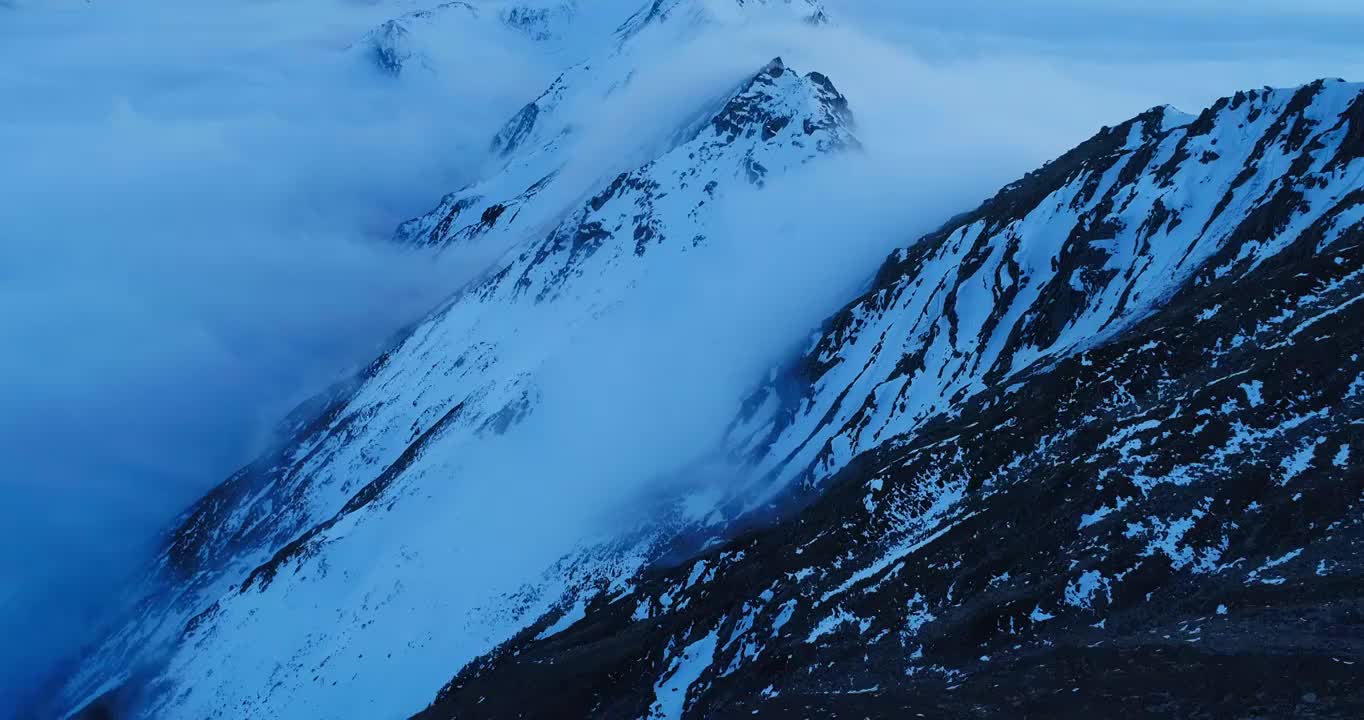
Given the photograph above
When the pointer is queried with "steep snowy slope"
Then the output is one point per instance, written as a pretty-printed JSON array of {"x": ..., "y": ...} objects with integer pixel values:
[
  {"x": 574, "y": 33},
  {"x": 539, "y": 156},
  {"x": 1088, "y": 441},
  {"x": 314, "y": 582},
  {"x": 1065, "y": 258}
]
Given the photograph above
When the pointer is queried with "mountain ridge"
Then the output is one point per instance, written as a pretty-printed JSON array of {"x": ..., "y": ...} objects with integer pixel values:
[
  {"x": 276, "y": 513},
  {"x": 1063, "y": 279},
  {"x": 791, "y": 619}
]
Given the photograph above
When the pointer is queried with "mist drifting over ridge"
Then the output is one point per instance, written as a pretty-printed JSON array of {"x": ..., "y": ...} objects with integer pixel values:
[{"x": 198, "y": 203}]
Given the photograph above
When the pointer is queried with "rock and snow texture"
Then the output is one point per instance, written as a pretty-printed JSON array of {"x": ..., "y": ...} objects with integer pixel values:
[
  {"x": 1082, "y": 443},
  {"x": 1097, "y": 433},
  {"x": 572, "y": 32}
]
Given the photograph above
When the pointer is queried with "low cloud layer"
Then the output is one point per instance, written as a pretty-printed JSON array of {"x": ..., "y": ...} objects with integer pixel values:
[
  {"x": 194, "y": 202},
  {"x": 194, "y": 207}
]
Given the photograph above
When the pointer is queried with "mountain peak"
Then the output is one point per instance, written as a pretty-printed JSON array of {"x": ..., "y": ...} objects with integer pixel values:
[
  {"x": 775, "y": 97},
  {"x": 780, "y": 116},
  {"x": 704, "y": 11},
  {"x": 392, "y": 46}
]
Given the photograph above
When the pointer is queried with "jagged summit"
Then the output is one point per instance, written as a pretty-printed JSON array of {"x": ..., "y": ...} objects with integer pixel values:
[{"x": 767, "y": 104}]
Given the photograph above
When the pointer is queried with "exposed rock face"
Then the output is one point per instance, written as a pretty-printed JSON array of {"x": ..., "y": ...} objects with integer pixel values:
[{"x": 1092, "y": 438}]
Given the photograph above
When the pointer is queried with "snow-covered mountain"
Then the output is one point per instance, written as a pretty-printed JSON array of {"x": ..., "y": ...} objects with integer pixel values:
[
  {"x": 1096, "y": 437},
  {"x": 1098, "y": 432}
]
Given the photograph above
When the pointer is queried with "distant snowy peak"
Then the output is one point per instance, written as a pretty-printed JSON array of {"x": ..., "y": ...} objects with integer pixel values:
[
  {"x": 542, "y": 21},
  {"x": 724, "y": 11},
  {"x": 778, "y": 121},
  {"x": 419, "y": 39},
  {"x": 774, "y": 120},
  {"x": 663, "y": 23},
  {"x": 775, "y": 98},
  {"x": 571, "y": 29},
  {"x": 399, "y": 44}
]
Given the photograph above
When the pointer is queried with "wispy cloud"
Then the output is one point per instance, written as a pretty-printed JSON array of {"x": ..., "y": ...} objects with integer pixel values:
[{"x": 193, "y": 204}]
